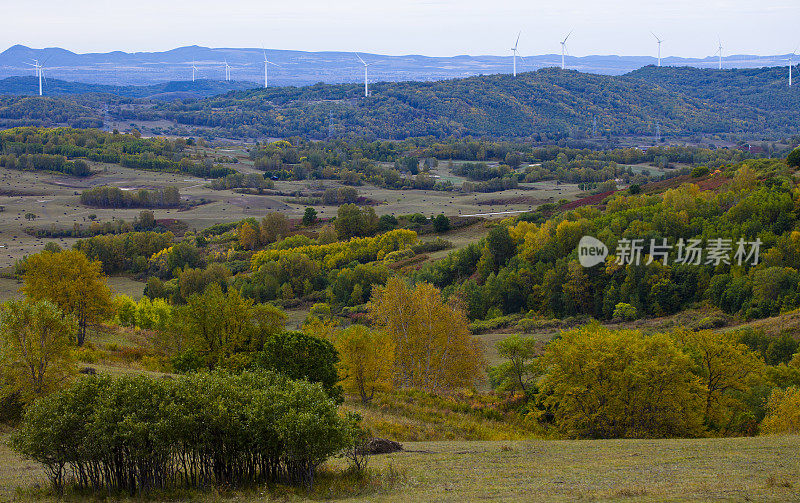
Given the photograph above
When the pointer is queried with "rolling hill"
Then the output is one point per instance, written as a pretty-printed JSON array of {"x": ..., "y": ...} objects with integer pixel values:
[{"x": 546, "y": 105}]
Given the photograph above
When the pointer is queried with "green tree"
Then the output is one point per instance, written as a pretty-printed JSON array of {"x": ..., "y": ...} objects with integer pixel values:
[
  {"x": 518, "y": 371},
  {"x": 309, "y": 217},
  {"x": 351, "y": 221},
  {"x": 300, "y": 356},
  {"x": 793, "y": 159},
  {"x": 441, "y": 223},
  {"x": 224, "y": 329}
]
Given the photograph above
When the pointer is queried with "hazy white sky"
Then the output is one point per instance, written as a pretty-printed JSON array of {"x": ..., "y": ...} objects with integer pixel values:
[{"x": 430, "y": 27}]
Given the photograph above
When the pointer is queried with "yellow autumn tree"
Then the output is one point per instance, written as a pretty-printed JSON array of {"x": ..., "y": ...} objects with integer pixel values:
[
  {"x": 433, "y": 347},
  {"x": 366, "y": 359},
  {"x": 72, "y": 282},
  {"x": 727, "y": 369},
  {"x": 35, "y": 356},
  {"x": 248, "y": 236},
  {"x": 783, "y": 416}
]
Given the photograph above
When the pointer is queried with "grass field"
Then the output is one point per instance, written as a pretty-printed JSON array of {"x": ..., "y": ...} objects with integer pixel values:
[
  {"x": 704, "y": 470},
  {"x": 54, "y": 200}
]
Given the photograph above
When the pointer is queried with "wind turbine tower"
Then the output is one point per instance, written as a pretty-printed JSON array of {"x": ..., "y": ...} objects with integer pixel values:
[
  {"x": 366, "y": 78},
  {"x": 719, "y": 51},
  {"x": 266, "y": 65},
  {"x": 194, "y": 69},
  {"x": 227, "y": 71},
  {"x": 659, "y": 47},
  {"x": 514, "y": 51},
  {"x": 791, "y": 64},
  {"x": 36, "y": 66},
  {"x": 564, "y": 51}
]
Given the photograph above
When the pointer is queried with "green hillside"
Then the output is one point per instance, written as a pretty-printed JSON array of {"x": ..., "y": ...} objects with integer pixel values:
[{"x": 548, "y": 104}]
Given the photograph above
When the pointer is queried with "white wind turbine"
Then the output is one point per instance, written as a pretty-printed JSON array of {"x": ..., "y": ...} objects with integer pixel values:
[
  {"x": 227, "y": 71},
  {"x": 719, "y": 51},
  {"x": 266, "y": 65},
  {"x": 366, "y": 78},
  {"x": 38, "y": 69},
  {"x": 659, "y": 47},
  {"x": 194, "y": 69},
  {"x": 514, "y": 51},
  {"x": 791, "y": 64},
  {"x": 564, "y": 51}
]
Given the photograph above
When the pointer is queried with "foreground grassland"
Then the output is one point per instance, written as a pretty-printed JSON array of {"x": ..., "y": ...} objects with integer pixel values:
[{"x": 730, "y": 469}]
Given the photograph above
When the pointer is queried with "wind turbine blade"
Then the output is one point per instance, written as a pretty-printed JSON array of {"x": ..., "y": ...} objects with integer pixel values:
[
  {"x": 567, "y": 37},
  {"x": 359, "y": 58},
  {"x": 516, "y": 44}
]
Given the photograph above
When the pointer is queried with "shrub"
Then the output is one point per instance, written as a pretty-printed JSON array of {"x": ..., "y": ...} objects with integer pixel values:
[
  {"x": 137, "y": 434},
  {"x": 300, "y": 356},
  {"x": 623, "y": 311}
]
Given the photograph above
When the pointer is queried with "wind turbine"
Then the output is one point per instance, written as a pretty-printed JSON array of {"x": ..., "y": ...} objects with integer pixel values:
[
  {"x": 266, "y": 65},
  {"x": 366, "y": 79},
  {"x": 719, "y": 51},
  {"x": 659, "y": 47},
  {"x": 227, "y": 71},
  {"x": 514, "y": 51},
  {"x": 38, "y": 69},
  {"x": 564, "y": 51},
  {"x": 194, "y": 69},
  {"x": 791, "y": 64}
]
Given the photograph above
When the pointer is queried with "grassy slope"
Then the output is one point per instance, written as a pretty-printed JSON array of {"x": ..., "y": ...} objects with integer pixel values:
[{"x": 732, "y": 469}]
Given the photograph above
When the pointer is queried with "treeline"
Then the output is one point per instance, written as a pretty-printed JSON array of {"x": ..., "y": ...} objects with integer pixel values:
[
  {"x": 45, "y": 162},
  {"x": 129, "y": 150},
  {"x": 125, "y": 252},
  {"x": 360, "y": 161},
  {"x": 144, "y": 222},
  {"x": 114, "y": 197},
  {"x": 140, "y": 434},
  {"x": 241, "y": 180}
]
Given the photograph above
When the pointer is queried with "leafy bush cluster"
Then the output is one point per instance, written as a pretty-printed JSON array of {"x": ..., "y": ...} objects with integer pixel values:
[
  {"x": 114, "y": 197},
  {"x": 138, "y": 434},
  {"x": 66, "y": 150}
]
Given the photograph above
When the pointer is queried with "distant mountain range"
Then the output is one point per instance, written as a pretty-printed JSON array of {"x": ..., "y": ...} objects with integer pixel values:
[
  {"x": 29, "y": 86},
  {"x": 303, "y": 68}
]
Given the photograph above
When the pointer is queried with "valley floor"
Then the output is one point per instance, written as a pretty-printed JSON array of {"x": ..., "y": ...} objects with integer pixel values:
[{"x": 729, "y": 469}]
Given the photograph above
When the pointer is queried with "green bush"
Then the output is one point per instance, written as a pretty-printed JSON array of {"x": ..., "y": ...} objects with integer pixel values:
[
  {"x": 624, "y": 311},
  {"x": 137, "y": 434},
  {"x": 300, "y": 356}
]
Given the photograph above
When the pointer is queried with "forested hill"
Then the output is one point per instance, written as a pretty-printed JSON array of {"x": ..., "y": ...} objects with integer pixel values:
[
  {"x": 549, "y": 102},
  {"x": 760, "y": 88},
  {"x": 546, "y": 105}
]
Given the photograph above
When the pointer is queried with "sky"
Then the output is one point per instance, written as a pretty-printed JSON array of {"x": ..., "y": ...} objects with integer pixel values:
[{"x": 690, "y": 28}]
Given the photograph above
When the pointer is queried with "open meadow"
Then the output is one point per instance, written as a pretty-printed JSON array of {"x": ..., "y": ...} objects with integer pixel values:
[
  {"x": 43, "y": 200},
  {"x": 765, "y": 469}
]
